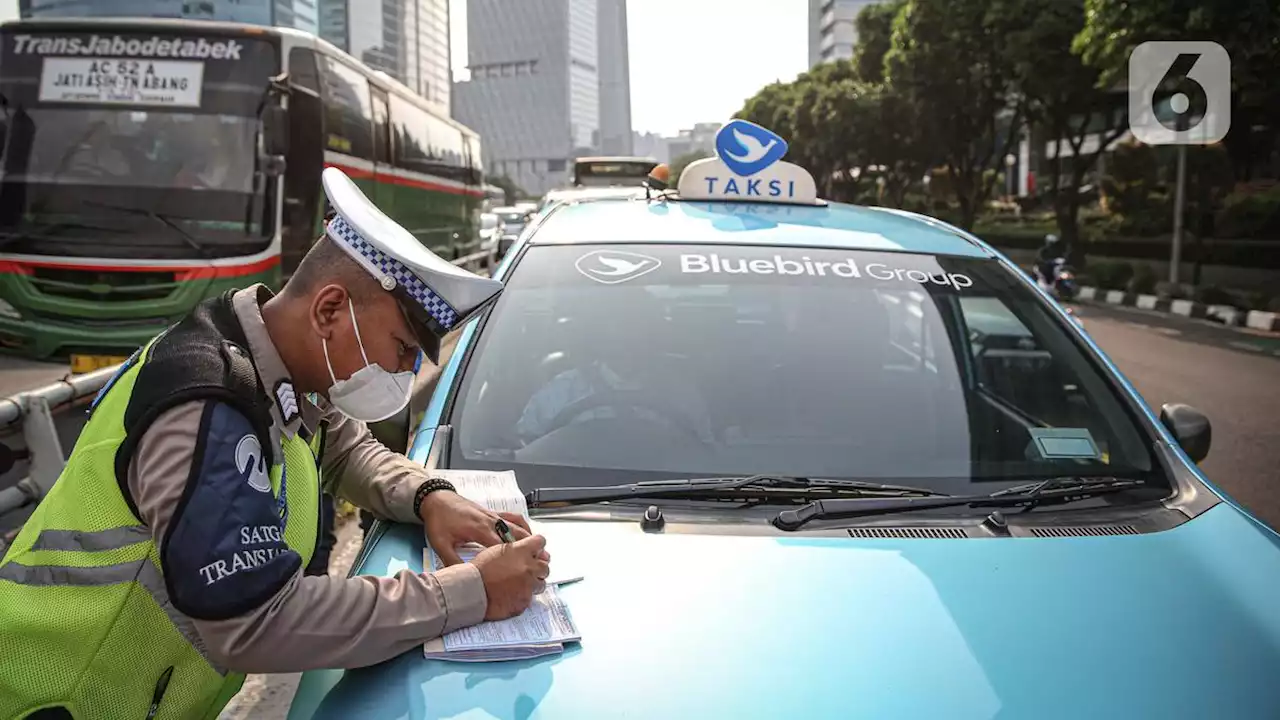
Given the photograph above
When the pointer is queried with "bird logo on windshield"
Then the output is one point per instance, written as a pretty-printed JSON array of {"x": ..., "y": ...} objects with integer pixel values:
[
  {"x": 746, "y": 148},
  {"x": 611, "y": 267}
]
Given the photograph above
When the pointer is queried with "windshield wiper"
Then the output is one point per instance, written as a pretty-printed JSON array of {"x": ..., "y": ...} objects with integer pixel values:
[
  {"x": 162, "y": 219},
  {"x": 1047, "y": 492},
  {"x": 752, "y": 487},
  {"x": 47, "y": 231}
]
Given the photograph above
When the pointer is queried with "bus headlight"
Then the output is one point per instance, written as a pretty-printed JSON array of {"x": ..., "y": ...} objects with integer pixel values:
[{"x": 9, "y": 311}]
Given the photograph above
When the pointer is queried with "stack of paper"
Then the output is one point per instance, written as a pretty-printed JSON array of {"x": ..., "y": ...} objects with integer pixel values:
[{"x": 540, "y": 630}]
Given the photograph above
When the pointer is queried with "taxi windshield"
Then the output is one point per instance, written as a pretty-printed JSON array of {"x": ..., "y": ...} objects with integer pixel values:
[{"x": 617, "y": 363}]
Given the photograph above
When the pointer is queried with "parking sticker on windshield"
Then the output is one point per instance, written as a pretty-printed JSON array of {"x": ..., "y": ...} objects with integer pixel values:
[{"x": 1065, "y": 444}]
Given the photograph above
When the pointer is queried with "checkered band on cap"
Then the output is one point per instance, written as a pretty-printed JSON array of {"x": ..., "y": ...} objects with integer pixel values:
[{"x": 436, "y": 306}]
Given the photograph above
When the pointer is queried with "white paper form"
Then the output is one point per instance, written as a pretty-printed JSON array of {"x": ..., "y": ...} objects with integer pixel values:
[
  {"x": 436, "y": 649},
  {"x": 497, "y": 491},
  {"x": 546, "y": 621}
]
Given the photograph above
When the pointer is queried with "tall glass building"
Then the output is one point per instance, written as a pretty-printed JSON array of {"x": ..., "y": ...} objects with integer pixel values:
[
  {"x": 832, "y": 34},
  {"x": 407, "y": 39},
  {"x": 549, "y": 82}
]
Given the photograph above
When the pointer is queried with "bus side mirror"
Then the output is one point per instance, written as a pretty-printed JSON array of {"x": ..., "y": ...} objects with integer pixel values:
[{"x": 275, "y": 130}]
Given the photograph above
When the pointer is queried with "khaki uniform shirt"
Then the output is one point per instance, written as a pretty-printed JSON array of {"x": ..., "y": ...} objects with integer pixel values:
[{"x": 311, "y": 621}]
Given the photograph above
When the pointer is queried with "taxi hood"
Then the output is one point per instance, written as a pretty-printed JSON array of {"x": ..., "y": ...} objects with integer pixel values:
[{"x": 692, "y": 625}]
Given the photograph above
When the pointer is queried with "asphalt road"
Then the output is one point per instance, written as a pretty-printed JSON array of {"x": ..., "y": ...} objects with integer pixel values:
[
  {"x": 1232, "y": 376},
  {"x": 17, "y": 375}
]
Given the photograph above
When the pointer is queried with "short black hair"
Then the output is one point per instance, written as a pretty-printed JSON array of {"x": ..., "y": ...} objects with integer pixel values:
[{"x": 327, "y": 263}]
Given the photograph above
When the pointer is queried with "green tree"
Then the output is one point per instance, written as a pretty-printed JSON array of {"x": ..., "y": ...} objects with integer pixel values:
[
  {"x": 892, "y": 133},
  {"x": 679, "y": 164},
  {"x": 771, "y": 107},
  {"x": 895, "y": 142},
  {"x": 948, "y": 58},
  {"x": 874, "y": 25},
  {"x": 1248, "y": 29},
  {"x": 807, "y": 112},
  {"x": 1063, "y": 98}
]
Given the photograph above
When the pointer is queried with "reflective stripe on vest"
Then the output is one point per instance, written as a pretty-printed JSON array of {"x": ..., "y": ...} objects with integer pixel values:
[
  {"x": 142, "y": 572},
  {"x": 91, "y": 541}
]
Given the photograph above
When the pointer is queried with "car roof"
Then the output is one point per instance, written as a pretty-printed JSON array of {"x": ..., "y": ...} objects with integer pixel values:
[
  {"x": 592, "y": 193},
  {"x": 832, "y": 225}
]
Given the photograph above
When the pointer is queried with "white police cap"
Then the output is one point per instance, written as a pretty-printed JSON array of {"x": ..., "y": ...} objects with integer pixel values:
[{"x": 437, "y": 295}]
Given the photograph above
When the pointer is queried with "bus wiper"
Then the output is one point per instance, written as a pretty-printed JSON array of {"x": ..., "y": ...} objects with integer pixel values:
[
  {"x": 48, "y": 231},
  {"x": 1047, "y": 492},
  {"x": 160, "y": 218},
  {"x": 752, "y": 487}
]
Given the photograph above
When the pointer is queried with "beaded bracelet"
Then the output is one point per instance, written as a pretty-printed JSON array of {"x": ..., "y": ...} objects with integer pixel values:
[{"x": 426, "y": 489}]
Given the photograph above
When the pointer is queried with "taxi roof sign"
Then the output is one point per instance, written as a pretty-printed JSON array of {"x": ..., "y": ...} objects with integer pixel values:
[{"x": 748, "y": 166}]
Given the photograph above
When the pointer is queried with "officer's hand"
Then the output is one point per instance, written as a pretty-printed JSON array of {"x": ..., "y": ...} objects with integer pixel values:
[
  {"x": 451, "y": 520},
  {"x": 512, "y": 573}
]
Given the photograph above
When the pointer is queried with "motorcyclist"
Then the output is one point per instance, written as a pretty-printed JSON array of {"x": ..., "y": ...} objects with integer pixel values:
[{"x": 1052, "y": 249}]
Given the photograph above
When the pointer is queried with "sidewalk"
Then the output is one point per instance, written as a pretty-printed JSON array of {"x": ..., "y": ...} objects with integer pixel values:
[
  {"x": 1225, "y": 314},
  {"x": 267, "y": 697}
]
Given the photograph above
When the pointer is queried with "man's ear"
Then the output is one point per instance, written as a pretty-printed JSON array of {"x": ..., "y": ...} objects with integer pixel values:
[{"x": 328, "y": 307}]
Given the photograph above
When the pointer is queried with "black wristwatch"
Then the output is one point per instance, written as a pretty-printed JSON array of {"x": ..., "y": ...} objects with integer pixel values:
[{"x": 426, "y": 489}]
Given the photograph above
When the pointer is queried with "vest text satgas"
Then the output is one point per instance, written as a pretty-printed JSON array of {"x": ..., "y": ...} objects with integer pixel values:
[
  {"x": 847, "y": 268},
  {"x": 239, "y": 560}
]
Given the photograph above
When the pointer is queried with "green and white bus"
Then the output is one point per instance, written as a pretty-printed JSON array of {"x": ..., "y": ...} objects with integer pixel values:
[{"x": 149, "y": 164}]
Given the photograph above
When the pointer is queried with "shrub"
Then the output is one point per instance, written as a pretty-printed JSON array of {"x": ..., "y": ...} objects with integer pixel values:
[
  {"x": 1131, "y": 177},
  {"x": 1111, "y": 274},
  {"x": 1166, "y": 290},
  {"x": 1274, "y": 305},
  {"x": 1143, "y": 280},
  {"x": 1253, "y": 300},
  {"x": 1212, "y": 295},
  {"x": 1249, "y": 213}
]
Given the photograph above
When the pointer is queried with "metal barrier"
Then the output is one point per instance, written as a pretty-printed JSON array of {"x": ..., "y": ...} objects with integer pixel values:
[{"x": 30, "y": 415}]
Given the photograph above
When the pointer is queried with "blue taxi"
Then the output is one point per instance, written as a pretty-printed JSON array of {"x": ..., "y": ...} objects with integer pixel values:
[{"x": 815, "y": 460}]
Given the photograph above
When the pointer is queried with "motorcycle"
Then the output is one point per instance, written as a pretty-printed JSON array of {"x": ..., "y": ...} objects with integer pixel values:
[{"x": 1061, "y": 283}]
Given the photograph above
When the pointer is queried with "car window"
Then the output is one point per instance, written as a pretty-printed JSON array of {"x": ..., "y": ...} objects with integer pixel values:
[{"x": 694, "y": 361}]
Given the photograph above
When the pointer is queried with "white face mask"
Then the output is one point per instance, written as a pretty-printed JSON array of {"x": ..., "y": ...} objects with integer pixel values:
[{"x": 371, "y": 394}]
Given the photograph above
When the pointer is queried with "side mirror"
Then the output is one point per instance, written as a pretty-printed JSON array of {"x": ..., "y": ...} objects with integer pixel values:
[
  {"x": 275, "y": 130},
  {"x": 1190, "y": 427}
]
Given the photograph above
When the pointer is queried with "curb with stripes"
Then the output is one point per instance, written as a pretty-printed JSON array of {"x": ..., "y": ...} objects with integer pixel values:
[{"x": 1225, "y": 314}]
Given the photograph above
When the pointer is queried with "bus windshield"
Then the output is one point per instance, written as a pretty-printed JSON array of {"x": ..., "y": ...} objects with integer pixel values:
[
  {"x": 142, "y": 149},
  {"x": 151, "y": 156}
]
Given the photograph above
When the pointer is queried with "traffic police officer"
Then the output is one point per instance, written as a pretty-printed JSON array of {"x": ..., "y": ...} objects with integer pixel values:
[{"x": 167, "y": 560}]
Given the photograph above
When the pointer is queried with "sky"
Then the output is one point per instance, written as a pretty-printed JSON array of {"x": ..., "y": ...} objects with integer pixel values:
[{"x": 694, "y": 60}]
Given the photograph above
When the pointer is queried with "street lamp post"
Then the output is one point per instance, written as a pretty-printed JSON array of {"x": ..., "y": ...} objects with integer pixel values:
[
  {"x": 1179, "y": 104},
  {"x": 1175, "y": 255}
]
